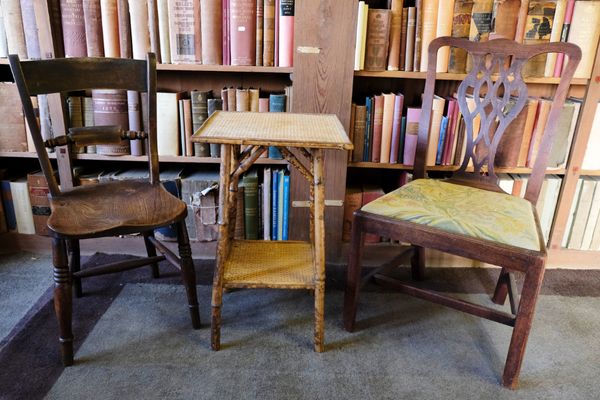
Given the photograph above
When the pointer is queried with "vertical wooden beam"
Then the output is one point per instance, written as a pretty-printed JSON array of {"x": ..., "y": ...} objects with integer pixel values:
[
  {"x": 580, "y": 141},
  {"x": 319, "y": 247},
  {"x": 323, "y": 73}
]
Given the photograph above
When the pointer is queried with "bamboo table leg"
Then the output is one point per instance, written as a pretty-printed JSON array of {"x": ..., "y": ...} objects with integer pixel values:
[
  {"x": 223, "y": 244},
  {"x": 319, "y": 246}
]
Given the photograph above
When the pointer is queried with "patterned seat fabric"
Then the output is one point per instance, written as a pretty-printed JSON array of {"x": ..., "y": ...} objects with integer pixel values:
[{"x": 461, "y": 209}]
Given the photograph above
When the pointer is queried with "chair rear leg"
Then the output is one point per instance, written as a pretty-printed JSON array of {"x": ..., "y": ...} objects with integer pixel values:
[
  {"x": 151, "y": 251},
  {"x": 502, "y": 287},
  {"x": 75, "y": 265},
  {"x": 524, "y": 318},
  {"x": 353, "y": 280},
  {"x": 188, "y": 274},
  {"x": 417, "y": 263},
  {"x": 63, "y": 299}
]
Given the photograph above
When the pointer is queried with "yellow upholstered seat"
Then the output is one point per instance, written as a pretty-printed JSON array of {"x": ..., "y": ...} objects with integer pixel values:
[{"x": 461, "y": 209}]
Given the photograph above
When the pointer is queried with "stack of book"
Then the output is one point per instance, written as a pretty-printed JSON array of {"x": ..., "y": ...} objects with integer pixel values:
[{"x": 583, "y": 228}]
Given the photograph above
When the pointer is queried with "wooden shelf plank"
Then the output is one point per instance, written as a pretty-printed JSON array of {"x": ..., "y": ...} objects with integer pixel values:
[
  {"x": 589, "y": 172},
  {"x": 223, "y": 68},
  {"x": 456, "y": 77},
  {"x": 516, "y": 170}
]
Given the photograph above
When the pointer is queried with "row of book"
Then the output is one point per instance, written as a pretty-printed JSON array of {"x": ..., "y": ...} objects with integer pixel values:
[
  {"x": 384, "y": 130},
  {"x": 515, "y": 184},
  {"x": 215, "y": 32},
  {"x": 396, "y": 35},
  {"x": 591, "y": 159},
  {"x": 262, "y": 207},
  {"x": 583, "y": 225}
]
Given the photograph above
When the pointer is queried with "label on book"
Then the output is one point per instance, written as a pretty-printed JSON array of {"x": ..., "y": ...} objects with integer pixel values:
[{"x": 287, "y": 8}]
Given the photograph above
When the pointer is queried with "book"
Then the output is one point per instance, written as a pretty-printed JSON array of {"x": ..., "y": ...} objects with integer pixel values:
[
  {"x": 268, "y": 33},
  {"x": 167, "y": 123},
  {"x": 135, "y": 121},
  {"x": 242, "y": 100},
  {"x": 389, "y": 100},
  {"x": 439, "y": 154},
  {"x": 564, "y": 34},
  {"x": 582, "y": 210},
  {"x": 242, "y": 31},
  {"x": 585, "y": 32},
  {"x": 377, "y": 128},
  {"x": 445, "y": 16},
  {"x": 359, "y": 133},
  {"x": 93, "y": 28},
  {"x": 437, "y": 112},
  {"x": 73, "y": 28},
  {"x": 212, "y": 106},
  {"x": 260, "y": 23},
  {"x": 40, "y": 205},
  {"x": 199, "y": 191},
  {"x": 418, "y": 35},
  {"x": 275, "y": 205},
  {"x": 569, "y": 224},
  {"x": 280, "y": 197},
  {"x": 285, "y": 214},
  {"x": 538, "y": 131},
  {"x": 461, "y": 26},
  {"x": 564, "y": 134},
  {"x": 481, "y": 24},
  {"x": 211, "y": 17},
  {"x": 505, "y": 15},
  {"x": 140, "y": 34},
  {"x": 286, "y": 33},
  {"x": 188, "y": 127},
  {"x": 538, "y": 29},
  {"x": 531, "y": 106},
  {"x": 12, "y": 130},
  {"x": 199, "y": 102},
  {"x": 110, "y": 27},
  {"x": 276, "y": 104},
  {"x": 403, "y": 40},
  {"x": 396, "y": 128},
  {"x": 428, "y": 29},
  {"x": 592, "y": 220},
  {"x": 395, "y": 35},
  {"x": 266, "y": 203},
  {"x": 276, "y": 43},
  {"x": 110, "y": 108},
  {"x": 163, "y": 31},
  {"x": 402, "y": 140},
  {"x": 546, "y": 215},
  {"x": 253, "y": 95},
  {"x": 557, "y": 25},
  {"x": 412, "y": 131},
  {"x": 123, "y": 25},
  {"x": 591, "y": 159},
  {"x": 153, "y": 30},
  {"x": 377, "y": 41},
  {"x": 182, "y": 31},
  {"x": 32, "y": 43},
  {"x": 250, "y": 182},
  {"x": 22, "y": 206},
  {"x": 410, "y": 38},
  {"x": 368, "y": 129},
  {"x": 352, "y": 202}
]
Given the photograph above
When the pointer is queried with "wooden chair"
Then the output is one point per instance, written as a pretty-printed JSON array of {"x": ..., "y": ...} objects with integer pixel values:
[
  {"x": 469, "y": 215},
  {"x": 104, "y": 209}
]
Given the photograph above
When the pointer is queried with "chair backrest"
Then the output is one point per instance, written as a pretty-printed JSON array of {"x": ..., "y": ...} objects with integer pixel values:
[
  {"x": 494, "y": 81},
  {"x": 62, "y": 75}
]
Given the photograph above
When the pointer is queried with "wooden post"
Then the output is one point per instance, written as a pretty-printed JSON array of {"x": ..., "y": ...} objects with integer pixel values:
[{"x": 318, "y": 207}]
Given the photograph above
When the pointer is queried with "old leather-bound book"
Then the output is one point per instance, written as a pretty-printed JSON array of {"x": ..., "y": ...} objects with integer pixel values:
[
  {"x": 242, "y": 31},
  {"x": 211, "y": 14},
  {"x": 110, "y": 108},
  {"x": 93, "y": 28},
  {"x": 378, "y": 37},
  {"x": 73, "y": 28},
  {"x": 461, "y": 24}
]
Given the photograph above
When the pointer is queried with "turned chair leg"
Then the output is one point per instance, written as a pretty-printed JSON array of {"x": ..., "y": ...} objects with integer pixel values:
[
  {"x": 524, "y": 318},
  {"x": 63, "y": 299},
  {"x": 417, "y": 263},
  {"x": 151, "y": 251},
  {"x": 75, "y": 265},
  {"x": 353, "y": 281},
  {"x": 501, "y": 290},
  {"x": 188, "y": 274}
]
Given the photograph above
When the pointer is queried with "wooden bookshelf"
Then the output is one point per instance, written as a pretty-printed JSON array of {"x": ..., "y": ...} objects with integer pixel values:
[
  {"x": 515, "y": 170},
  {"x": 223, "y": 68}
]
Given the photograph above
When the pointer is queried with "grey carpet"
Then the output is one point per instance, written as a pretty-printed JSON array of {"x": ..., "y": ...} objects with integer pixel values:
[
  {"x": 24, "y": 277},
  {"x": 143, "y": 347}
]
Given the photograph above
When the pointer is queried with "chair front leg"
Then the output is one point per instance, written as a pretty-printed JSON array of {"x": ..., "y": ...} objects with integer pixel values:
[
  {"x": 75, "y": 265},
  {"x": 501, "y": 290},
  {"x": 63, "y": 299},
  {"x": 151, "y": 251},
  {"x": 417, "y": 263},
  {"x": 524, "y": 318},
  {"x": 188, "y": 274},
  {"x": 353, "y": 281}
]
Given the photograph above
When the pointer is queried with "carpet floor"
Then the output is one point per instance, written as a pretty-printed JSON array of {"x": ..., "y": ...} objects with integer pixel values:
[{"x": 134, "y": 340}]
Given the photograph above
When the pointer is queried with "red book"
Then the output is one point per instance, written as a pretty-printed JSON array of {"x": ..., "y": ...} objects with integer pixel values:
[
  {"x": 564, "y": 34},
  {"x": 377, "y": 128},
  {"x": 93, "y": 28},
  {"x": 73, "y": 24},
  {"x": 286, "y": 33},
  {"x": 276, "y": 49},
  {"x": 396, "y": 125},
  {"x": 226, "y": 42},
  {"x": 412, "y": 133},
  {"x": 242, "y": 31},
  {"x": 448, "y": 139}
]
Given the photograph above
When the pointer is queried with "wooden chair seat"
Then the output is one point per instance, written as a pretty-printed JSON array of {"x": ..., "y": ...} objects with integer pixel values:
[
  {"x": 126, "y": 206},
  {"x": 464, "y": 210}
]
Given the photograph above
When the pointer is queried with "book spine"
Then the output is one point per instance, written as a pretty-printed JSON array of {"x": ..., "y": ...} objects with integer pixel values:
[
  {"x": 276, "y": 104},
  {"x": 286, "y": 33},
  {"x": 461, "y": 26},
  {"x": 275, "y": 205},
  {"x": 260, "y": 22},
  {"x": 402, "y": 140},
  {"x": 199, "y": 115},
  {"x": 378, "y": 37},
  {"x": 403, "y": 39},
  {"x": 110, "y": 108},
  {"x": 242, "y": 32},
  {"x": 140, "y": 35},
  {"x": 250, "y": 207},
  {"x": 428, "y": 29},
  {"x": 212, "y": 106},
  {"x": 386, "y": 127},
  {"x": 395, "y": 36},
  {"x": 266, "y": 203},
  {"x": 32, "y": 42},
  {"x": 22, "y": 205},
  {"x": 377, "y": 128},
  {"x": 445, "y": 15},
  {"x": 40, "y": 205},
  {"x": 359, "y": 133},
  {"x": 135, "y": 121},
  {"x": 242, "y": 100},
  {"x": 564, "y": 34},
  {"x": 441, "y": 142},
  {"x": 93, "y": 28},
  {"x": 73, "y": 28},
  {"x": 253, "y": 98},
  {"x": 410, "y": 39},
  {"x": 212, "y": 36},
  {"x": 537, "y": 33},
  {"x": 396, "y": 126},
  {"x": 225, "y": 30},
  {"x": 280, "y": 206},
  {"x": 110, "y": 27},
  {"x": 412, "y": 132},
  {"x": 359, "y": 44},
  {"x": 276, "y": 43},
  {"x": 367, "y": 139},
  {"x": 123, "y": 34},
  {"x": 153, "y": 30},
  {"x": 163, "y": 31},
  {"x": 269, "y": 33},
  {"x": 418, "y": 34},
  {"x": 286, "y": 207},
  {"x": 182, "y": 31}
]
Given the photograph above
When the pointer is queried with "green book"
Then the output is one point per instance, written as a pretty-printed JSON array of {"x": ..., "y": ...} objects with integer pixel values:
[{"x": 250, "y": 182}]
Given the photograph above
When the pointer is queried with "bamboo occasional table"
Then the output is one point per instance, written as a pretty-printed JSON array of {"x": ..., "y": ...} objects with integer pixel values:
[{"x": 271, "y": 264}]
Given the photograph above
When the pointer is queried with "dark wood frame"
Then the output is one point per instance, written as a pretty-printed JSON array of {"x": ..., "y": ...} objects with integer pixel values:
[
  {"x": 56, "y": 77},
  {"x": 490, "y": 106}
]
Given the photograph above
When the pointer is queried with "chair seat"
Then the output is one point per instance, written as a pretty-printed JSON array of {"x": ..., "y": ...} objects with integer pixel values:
[
  {"x": 116, "y": 207},
  {"x": 465, "y": 210}
]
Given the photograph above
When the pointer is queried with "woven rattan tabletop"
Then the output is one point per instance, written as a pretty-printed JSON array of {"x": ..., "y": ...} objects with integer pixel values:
[{"x": 274, "y": 129}]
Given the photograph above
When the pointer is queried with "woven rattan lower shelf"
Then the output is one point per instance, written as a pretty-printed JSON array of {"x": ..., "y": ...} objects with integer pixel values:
[{"x": 269, "y": 264}]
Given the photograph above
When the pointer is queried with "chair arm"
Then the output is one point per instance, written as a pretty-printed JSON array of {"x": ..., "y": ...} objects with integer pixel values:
[{"x": 90, "y": 135}]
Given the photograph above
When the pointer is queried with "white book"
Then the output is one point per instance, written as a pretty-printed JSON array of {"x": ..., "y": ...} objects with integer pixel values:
[
  {"x": 551, "y": 199},
  {"x": 266, "y": 204},
  {"x": 591, "y": 159},
  {"x": 23, "y": 214},
  {"x": 167, "y": 123},
  {"x": 506, "y": 182},
  {"x": 582, "y": 213},
  {"x": 361, "y": 36},
  {"x": 569, "y": 224},
  {"x": 163, "y": 31},
  {"x": 590, "y": 225}
]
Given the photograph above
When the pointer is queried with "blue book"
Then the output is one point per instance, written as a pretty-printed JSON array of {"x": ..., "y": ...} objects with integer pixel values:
[
  {"x": 402, "y": 138},
  {"x": 367, "y": 146},
  {"x": 286, "y": 206},
  {"x": 274, "y": 202},
  {"x": 276, "y": 104},
  {"x": 440, "y": 149},
  {"x": 9, "y": 208}
]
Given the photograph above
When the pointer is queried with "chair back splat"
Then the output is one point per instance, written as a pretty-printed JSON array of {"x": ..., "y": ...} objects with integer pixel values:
[{"x": 499, "y": 94}]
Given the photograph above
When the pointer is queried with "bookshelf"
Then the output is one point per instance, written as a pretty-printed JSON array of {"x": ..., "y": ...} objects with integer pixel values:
[{"x": 411, "y": 84}]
